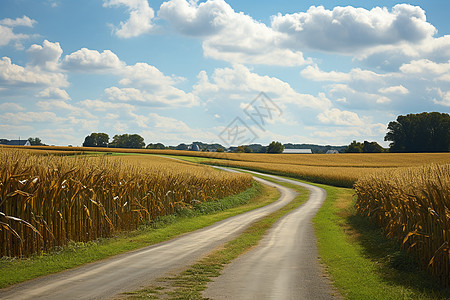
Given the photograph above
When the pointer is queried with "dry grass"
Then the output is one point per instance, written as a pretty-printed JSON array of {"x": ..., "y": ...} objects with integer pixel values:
[
  {"x": 412, "y": 205},
  {"x": 47, "y": 201}
]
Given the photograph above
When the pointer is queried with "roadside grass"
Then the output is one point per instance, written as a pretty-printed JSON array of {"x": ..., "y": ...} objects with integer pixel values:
[
  {"x": 192, "y": 282},
  {"x": 15, "y": 270},
  {"x": 362, "y": 262}
]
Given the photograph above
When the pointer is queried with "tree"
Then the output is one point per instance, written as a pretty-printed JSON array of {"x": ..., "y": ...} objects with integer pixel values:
[
  {"x": 424, "y": 132},
  {"x": 182, "y": 147},
  {"x": 156, "y": 146},
  {"x": 134, "y": 141},
  {"x": 372, "y": 147},
  {"x": 36, "y": 141},
  {"x": 275, "y": 147},
  {"x": 96, "y": 140},
  {"x": 220, "y": 150},
  {"x": 354, "y": 147}
]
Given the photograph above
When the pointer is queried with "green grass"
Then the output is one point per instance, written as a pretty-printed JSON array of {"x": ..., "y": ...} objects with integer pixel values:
[
  {"x": 361, "y": 261},
  {"x": 190, "y": 283},
  {"x": 165, "y": 228}
]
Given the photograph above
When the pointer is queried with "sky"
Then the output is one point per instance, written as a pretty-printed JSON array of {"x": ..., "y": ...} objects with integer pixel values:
[{"x": 229, "y": 72}]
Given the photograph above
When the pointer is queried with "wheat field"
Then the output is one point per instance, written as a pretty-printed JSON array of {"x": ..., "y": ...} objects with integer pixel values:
[{"x": 47, "y": 201}]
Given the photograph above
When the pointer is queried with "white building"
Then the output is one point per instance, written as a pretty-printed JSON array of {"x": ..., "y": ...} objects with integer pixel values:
[{"x": 297, "y": 151}]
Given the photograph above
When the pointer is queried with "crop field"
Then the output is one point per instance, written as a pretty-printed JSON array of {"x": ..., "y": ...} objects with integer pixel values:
[
  {"x": 413, "y": 206},
  {"x": 47, "y": 200}
]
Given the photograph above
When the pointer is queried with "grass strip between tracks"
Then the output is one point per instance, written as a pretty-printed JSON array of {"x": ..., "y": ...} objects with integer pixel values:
[
  {"x": 18, "y": 270},
  {"x": 361, "y": 262},
  {"x": 190, "y": 283}
]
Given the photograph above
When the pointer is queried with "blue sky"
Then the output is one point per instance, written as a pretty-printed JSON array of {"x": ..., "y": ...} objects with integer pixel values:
[{"x": 182, "y": 71}]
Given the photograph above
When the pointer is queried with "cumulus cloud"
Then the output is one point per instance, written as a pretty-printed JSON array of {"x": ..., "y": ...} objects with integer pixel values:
[
  {"x": 398, "y": 89},
  {"x": 228, "y": 35},
  {"x": 314, "y": 73},
  {"x": 237, "y": 84},
  {"x": 425, "y": 66},
  {"x": 86, "y": 60},
  {"x": 54, "y": 93},
  {"x": 140, "y": 20},
  {"x": 46, "y": 56},
  {"x": 12, "y": 74},
  {"x": 8, "y": 106},
  {"x": 7, "y": 34},
  {"x": 338, "y": 117},
  {"x": 24, "y": 21},
  {"x": 349, "y": 29}
]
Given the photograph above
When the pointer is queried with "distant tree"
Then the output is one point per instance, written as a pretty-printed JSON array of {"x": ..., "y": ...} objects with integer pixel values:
[
  {"x": 220, "y": 150},
  {"x": 134, "y": 141},
  {"x": 96, "y": 140},
  {"x": 36, "y": 141},
  {"x": 3, "y": 141},
  {"x": 275, "y": 147},
  {"x": 372, "y": 147},
  {"x": 156, "y": 146},
  {"x": 424, "y": 132},
  {"x": 354, "y": 147},
  {"x": 182, "y": 147}
]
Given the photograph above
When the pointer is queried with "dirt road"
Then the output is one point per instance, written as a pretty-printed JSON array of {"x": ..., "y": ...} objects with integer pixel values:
[
  {"x": 284, "y": 265},
  {"x": 137, "y": 269}
]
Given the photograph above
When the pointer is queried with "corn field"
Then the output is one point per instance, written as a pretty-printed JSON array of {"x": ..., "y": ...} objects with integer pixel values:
[
  {"x": 47, "y": 201},
  {"x": 413, "y": 206}
]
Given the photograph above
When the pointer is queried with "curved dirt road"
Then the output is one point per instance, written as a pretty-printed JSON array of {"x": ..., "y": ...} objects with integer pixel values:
[
  {"x": 284, "y": 265},
  {"x": 134, "y": 270}
]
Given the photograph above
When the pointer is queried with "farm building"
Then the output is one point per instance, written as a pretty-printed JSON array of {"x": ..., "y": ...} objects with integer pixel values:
[
  {"x": 297, "y": 151},
  {"x": 19, "y": 143},
  {"x": 332, "y": 152},
  {"x": 194, "y": 147}
]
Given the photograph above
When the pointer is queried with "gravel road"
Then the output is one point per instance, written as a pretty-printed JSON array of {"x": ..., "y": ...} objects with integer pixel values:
[
  {"x": 137, "y": 269},
  {"x": 284, "y": 265}
]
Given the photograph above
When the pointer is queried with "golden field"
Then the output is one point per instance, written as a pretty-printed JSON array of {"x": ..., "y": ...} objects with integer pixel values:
[
  {"x": 413, "y": 206},
  {"x": 47, "y": 200}
]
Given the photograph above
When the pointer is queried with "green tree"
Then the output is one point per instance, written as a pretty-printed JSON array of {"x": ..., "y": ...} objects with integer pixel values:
[
  {"x": 96, "y": 140},
  {"x": 275, "y": 147},
  {"x": 182, "y": 147},
  {"x": 134, "y": 141},
  {"x": 36, "y": 141},
  {"x": 156, "y": 146},
  {"x": 354, "y": 147},
  {"x": 424, "y": 132},
  {"x": 220, "y": 150},
  {"x": 372, "y": 147}
]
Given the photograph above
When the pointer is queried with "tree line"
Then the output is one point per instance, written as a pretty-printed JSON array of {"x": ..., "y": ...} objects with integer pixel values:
[{"x": 424, "y": 132}]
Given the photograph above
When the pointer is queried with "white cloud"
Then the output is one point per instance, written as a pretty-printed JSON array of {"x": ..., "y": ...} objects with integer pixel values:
[
  {"x": 239, "y": 80},
  {"x": 398, "y": 89},
  {"x": 54, "y": 93},
  {"x": 338, "y": 117},
  {"x": 383, "y": 99},
  {"x": 314, "y": 73},
  {"x": 45, "y": 56},
  {"x": 425, "y": 66},
  {"x": 140, "y": 20},
  {"x": 170, "y": 130},
  {"x": 197, "y": 19},
  {"x": 86, "y": 60},
  {"x": 444, "y": 97},
  {"x": 7, "y": 35},
  {"x": 12, "y": 74},
  {"x": 349, "y": 29},
  {"x": 29, "y": 117},
  {"x": 142, "y": 74},
  {"x": 229, "y": 36},
  {"x": 24, "y": 21},
  {"x": 7, "y": 106}
]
